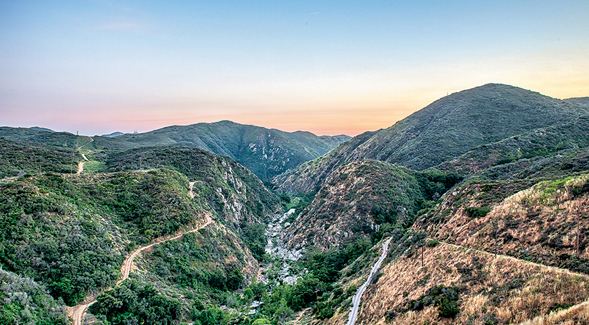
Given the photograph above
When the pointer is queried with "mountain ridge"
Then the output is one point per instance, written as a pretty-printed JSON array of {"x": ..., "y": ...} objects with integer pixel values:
[
  {"x": 266, "y": 152},
  {"x": 446, "y": 128}
]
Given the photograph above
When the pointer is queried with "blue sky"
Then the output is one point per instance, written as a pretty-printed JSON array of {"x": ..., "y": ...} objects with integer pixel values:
[{"x": 325, "y": 66}]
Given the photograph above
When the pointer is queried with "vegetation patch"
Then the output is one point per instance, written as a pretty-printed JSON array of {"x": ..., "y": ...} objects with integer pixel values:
[{"x": 134, "y": 302}]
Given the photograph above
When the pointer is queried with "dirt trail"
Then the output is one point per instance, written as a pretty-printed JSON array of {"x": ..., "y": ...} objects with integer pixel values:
[
  {"x": 77, "y": 312},
  {"x": 569, "y": 272},
  {"x": 80, "y": 167},
  {"x": 191, "y": 193},
  {"x": 301, "y": 314},
  {"x": 358, "y": 296},
  {"x": 539, "y": 319}
]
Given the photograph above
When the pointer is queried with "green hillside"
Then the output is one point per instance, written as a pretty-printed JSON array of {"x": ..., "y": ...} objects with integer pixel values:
[
  {"x": 207, "y": 170},
  {"x": 443, "y": 130},
  {"x": 266, "y": 152},
  {"x": 542, "y": 142},
  {"x": 72, "y": 232},
  {"x": 18, "y": 158}
]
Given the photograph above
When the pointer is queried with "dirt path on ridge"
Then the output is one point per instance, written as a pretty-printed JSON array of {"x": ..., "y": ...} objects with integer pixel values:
[
  {"x": 77, "y": 312},
  {"x": 80, "y": 167},
  {"x": 190, "y": 192}
]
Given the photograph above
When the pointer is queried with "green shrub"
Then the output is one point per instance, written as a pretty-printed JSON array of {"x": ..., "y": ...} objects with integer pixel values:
[
  {"x": 476, "y": 212},
  {"x": 432, "y": 243}
]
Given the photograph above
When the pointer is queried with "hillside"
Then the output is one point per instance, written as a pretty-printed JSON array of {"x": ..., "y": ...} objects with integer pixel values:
[
  {"x": 78, "y": 228},
  {"x": 18, "y": 158},
  {"x": 443, "y": 130},
  {"x": 539, "y": 223},
  {"x": 266, "y": 152},
  {"x": 361, "y": 197},
  {"x": 465, "y": 286},
  {"x": 207, "y": 170},
  {"x": 540, "y": 142},
  {"x": 583, "y": 101}
]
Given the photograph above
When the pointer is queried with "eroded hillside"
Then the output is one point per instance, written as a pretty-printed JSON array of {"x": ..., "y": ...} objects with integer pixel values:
[{"x": 361, "y": 196}]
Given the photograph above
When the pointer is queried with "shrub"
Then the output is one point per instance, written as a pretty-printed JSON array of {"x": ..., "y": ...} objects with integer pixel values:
[
  {"x": 432, "y": 243},
  {"x": 475, "y": 212}
]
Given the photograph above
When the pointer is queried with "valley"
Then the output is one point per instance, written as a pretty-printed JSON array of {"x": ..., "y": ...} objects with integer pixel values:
[{"x": 473, "y": 210}]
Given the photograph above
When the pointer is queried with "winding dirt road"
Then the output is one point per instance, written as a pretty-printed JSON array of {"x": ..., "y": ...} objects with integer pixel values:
[{"x": 77, "y": 312}]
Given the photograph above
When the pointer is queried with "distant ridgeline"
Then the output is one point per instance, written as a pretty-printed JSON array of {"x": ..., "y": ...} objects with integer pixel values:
[
  {"x": 457, "y": 187},
  {"x": 266, "y": 152}
]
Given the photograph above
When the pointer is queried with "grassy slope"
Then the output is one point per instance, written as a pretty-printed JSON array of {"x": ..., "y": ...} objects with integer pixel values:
[
  {"x": 539, "y": 223},
  {"x": 493, "y": 290},
  {"x": 447, "y": 128}
]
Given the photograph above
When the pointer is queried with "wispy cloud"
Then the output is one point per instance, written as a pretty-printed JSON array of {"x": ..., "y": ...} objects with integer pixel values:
[
  {"x": 314, "y": 13},
  {"x": 118, "y": 26}
]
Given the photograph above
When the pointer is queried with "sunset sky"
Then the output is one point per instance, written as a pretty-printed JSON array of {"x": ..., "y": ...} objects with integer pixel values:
[{"x": 329, "y": 67}]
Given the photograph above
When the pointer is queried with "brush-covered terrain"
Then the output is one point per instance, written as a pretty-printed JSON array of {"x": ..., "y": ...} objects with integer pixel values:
[
  {"x": 362, "y": 197},
  {"x": 266, "y": 152},
  {"x": 443, "y": 130},
  {"x": 69, "y": 234},
  {"x": 19, "y": 158},
  {"x": 476, "y": 207}
]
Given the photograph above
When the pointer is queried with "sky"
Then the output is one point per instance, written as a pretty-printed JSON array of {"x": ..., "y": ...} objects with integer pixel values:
[{"x": 329, "y": 67}]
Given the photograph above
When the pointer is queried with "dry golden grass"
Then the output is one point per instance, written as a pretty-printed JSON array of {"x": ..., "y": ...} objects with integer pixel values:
[
  {"x": 540, "y": 223},
  {"x": 578, "y": 314},
  {"x": 500, "y": 288}
]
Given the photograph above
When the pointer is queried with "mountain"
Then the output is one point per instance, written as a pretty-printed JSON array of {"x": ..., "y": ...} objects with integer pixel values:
[
  {"x": 38, "y": 128},
  {"x": 266, "y": 152},
  {"x": 112, "y": 135},
  {"x": 471, "y": 211},
  {"x": 542, "y": 142},
  {"x": 90, "y": 223},
  {"x": 30, "y": 135},
  {"x": 360, "y": 197},
  {"x": 529, "y": 214},
  {"x": 443, "y": 130},
  {"x": 583, "y": 101}
]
